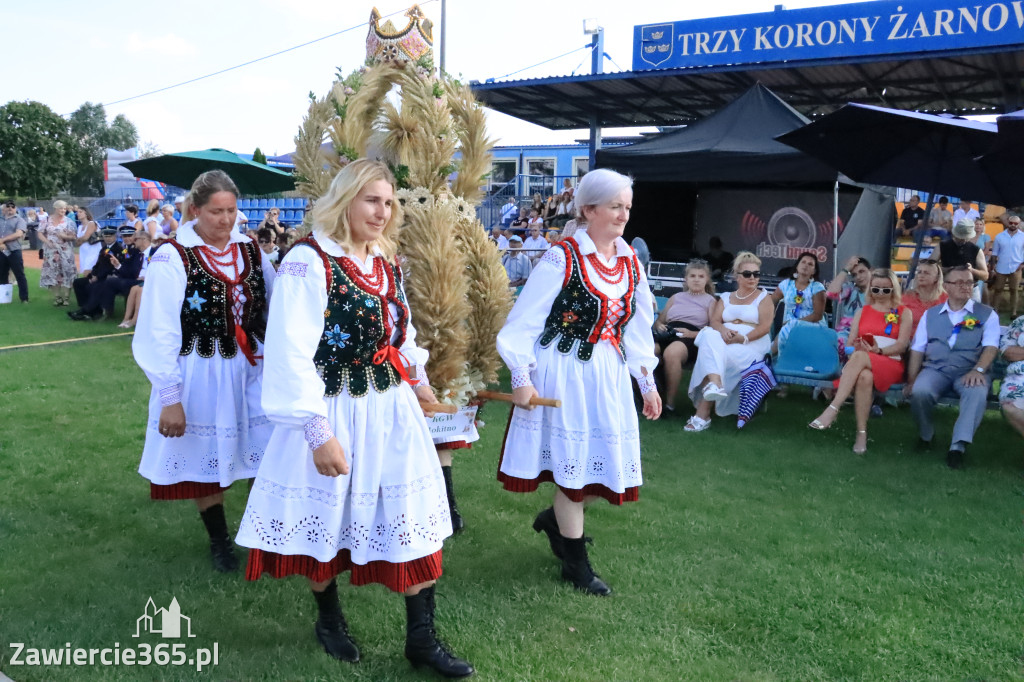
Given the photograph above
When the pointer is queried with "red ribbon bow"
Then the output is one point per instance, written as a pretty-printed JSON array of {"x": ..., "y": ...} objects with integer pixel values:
[{"x": 391, "y": 354}]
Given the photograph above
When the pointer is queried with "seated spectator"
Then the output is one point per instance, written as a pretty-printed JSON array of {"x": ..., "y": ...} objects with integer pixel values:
[
  {"x": 146, "y": 247},
  {"x": 112, "y": 246},
  {"x": 535, "y": 219},
  {"x": 965, "y": 212},
  {"x": 804, "y": 296},
  {"x": 516, "y": 263},
  {"x": 737, "y": 336},
  {"x": 881, "y": 332},
  {"x": 1011, "y": 390},
  {"x": 519, "y": 225},
  {"x": 552, "y": 236},
  {"x": 535, "y": 245},
  {"x": 911, "y": 217},
  {"x": 151, "y": 223},
  {"x": 284, "y": 242},
  {"x": 131, "y": 216},
  {"x": 124, "y": 267},
  {"x": 926, "y": 289},
  {"x": 569, "y": 229},
  {"x": 272, "y": 220},
  {"x": 168, "y": 224},
  {"x": 550, "y": 208},
  {"x": 567, "y": 187},
  {"x": 565, "y": 207},
  {"x": 940, "y": 221},
  {"x": 265, "y": 238},
  {"x": 847, "y": 292},
  {"x": 508, "y": 211},
  {"x": 953, "y": 349},
  {"x": 499, "y": 238},
  {"x": 676, "y": 328},
  {"x": 538, "y": 203},
  {"x": 718, "y": 260}
]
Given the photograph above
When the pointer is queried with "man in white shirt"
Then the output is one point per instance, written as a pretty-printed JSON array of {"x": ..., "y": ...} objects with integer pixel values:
[
  {"x": 535, "y": 245},
  {"x": 498, "y": 238},
  {"x": 1007, "y": 258},
  {"x": 953, "y": 348},
  {"x": 509, "y": 212},
  {"x": 965, "y": 211},
  {"x": 517, "y": 265}
]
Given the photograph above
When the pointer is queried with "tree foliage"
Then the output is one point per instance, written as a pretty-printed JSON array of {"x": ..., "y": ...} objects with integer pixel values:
[
  {"x": 259, "y": 157},
  {"x": 37, "y": 151},
  {"x": 88, "y": 125},
  {"x": 149, "y": 149}
]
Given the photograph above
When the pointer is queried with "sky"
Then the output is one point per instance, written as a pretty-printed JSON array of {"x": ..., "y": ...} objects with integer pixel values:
[{"x": 113, "y": 50}]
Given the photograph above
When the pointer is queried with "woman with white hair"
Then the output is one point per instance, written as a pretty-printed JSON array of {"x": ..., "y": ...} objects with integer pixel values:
[
  {"x": 579, "y": 329},
  {"x": 58, "y": 271},
  {"x": 168, "y": 225},
  {"x": 350, "y": 480}
]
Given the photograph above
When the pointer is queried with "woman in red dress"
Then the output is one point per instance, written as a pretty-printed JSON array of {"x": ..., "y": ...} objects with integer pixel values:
[{"x": 880, "y": 334}]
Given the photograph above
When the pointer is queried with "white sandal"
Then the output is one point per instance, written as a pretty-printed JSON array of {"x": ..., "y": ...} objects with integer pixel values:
[{"x": 695, "y": 424}]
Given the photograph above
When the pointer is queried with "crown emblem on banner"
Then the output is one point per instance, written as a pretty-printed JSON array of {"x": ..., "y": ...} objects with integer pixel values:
[{"x": 386, "y": 43}]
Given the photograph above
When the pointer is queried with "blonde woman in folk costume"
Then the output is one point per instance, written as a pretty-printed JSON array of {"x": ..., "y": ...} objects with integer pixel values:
[
  {"x": 350, "y": 481},
  {"x": 580, "y": 328},
  {"x": 199, "y": 341}
]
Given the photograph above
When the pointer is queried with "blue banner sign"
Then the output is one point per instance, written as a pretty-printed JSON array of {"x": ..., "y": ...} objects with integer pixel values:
[{"x": 863, "y": 29}]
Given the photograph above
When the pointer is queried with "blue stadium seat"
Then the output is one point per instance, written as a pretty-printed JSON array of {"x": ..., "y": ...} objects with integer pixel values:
[
  {"x": 264, "y": 203},
  {"x": 810, "y": 357},
  {"x": 244, "y": 204},
  {"x": 288, "y": 216}
]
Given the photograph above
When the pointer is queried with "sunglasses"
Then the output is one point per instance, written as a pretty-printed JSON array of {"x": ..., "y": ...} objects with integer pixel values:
[
  {"x": 749, "y": 273},
  {"x": 881, "y": 290}
]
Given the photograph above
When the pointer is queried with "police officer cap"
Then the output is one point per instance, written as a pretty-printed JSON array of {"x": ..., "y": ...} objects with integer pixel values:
[
  {"x": 126, "y": 231},
  {"x": 108, "y": 231}
]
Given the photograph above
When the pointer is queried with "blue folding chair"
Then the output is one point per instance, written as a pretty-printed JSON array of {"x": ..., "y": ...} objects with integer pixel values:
[{"x": 810, "y": 357}]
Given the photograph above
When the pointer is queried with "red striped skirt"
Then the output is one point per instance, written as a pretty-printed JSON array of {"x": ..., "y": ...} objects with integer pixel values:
[
  {"x": 396, "y": 577},
  {"x": 454, "y": 445},
  {"x": 186, "y": 490}
]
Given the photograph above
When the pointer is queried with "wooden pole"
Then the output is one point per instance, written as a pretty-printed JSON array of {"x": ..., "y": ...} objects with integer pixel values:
[{"x": 507, "y": 398}]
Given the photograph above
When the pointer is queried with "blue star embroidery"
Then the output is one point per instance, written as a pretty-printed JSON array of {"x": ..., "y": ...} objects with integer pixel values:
[
  {"x": 370, "y": 303},
  {"x": 196, "y": 302},
  {"x": 336, "y": 337}
]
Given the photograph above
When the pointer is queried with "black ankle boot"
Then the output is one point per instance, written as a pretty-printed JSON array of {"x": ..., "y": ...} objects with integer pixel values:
[
  {"x": 331, "y": 628},
  {"x": 421, "y": 644},
  {"x": 222, "y": 551},
  {"x": 453, "y": 508},
  {"x": 577, "y": 570},
  {"x": 546, "y": 521}
]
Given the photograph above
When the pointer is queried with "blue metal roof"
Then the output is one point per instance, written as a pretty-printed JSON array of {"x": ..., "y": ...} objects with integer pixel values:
[{"x": 984, "y": 80}]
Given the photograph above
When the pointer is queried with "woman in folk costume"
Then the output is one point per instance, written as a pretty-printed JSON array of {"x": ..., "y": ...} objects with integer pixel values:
[
  {"x": 579, "y": 329},
  {"x": 350, "y": 481},
  {"x": 199, "y": 341}
]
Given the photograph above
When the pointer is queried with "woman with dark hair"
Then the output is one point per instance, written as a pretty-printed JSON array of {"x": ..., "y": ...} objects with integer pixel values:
[
  {"x": 803, "y": 294},
  {"x": 848, "y": 292},
  {"x": 881, "y": 332},
  {"x": 351, "y": 479},
  {"x": 579, "y": 329},
  {"x": 88, "y": 242},
  {"x": 199, "y": 340}
]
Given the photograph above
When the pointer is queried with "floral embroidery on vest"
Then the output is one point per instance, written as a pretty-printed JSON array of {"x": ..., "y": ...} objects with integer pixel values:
[
  {"x": 357, "y": 328},
  {"x": 207, "y": 320}
]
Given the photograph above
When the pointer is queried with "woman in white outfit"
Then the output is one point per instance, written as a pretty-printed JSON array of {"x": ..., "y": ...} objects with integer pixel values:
[
  {"x": 350, "y": 480},
  {"x": 579, "y": 329},
  {"x": 88, "y": 242},
  {"x": 199, "y": 341},
  {"x": 737, "y": 337}
]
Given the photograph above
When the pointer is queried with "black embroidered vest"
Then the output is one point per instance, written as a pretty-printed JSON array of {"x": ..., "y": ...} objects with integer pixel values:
[
  {"x": 580, "y": 311},
  {"x": 207, "y": 322},
  {"x": 356, "y": 328}
]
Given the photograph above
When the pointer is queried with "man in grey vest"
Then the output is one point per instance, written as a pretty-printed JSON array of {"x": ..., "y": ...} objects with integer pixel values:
[
  {"x": 12, "y": 230},
  {"x": 953, "y": 348}
]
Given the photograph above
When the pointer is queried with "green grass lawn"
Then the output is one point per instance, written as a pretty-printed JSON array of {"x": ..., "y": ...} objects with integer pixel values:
[{"x": 771, "y": 553}]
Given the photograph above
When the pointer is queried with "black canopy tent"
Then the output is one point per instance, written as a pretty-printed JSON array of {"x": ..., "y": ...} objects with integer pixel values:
[{"x": 726, "y": 175}]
